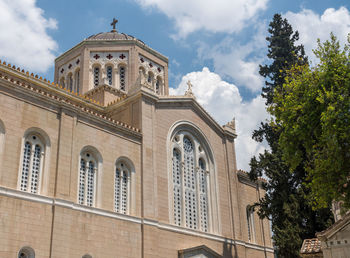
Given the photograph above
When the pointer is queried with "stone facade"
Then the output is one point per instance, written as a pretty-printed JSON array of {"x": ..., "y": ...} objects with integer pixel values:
[{"x": 72, "y": 210}]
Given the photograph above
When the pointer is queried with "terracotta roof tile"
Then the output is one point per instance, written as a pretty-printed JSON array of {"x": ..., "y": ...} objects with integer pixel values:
[{"x": 311, "y": 246}]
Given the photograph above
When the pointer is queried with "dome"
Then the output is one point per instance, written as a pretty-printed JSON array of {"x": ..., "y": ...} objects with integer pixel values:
[{"x": 113, "y": 35}]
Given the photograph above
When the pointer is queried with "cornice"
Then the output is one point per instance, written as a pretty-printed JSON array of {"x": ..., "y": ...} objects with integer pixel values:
[
  {"x": 336, "y": 227},
  {"x": 191, "y": 101},
  {"x": 243, "y": 177},
  {"x": 41, "y": 88},
  {"x": 132, "y": 42}
]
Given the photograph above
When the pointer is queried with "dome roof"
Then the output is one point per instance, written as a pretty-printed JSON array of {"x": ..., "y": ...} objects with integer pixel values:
[{"x": 113, "y": 35}]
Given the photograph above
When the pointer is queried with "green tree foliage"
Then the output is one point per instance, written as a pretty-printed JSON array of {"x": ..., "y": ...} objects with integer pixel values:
[
  {"x": 285, "y": 202},
  {"x": 314, "y": 111}
]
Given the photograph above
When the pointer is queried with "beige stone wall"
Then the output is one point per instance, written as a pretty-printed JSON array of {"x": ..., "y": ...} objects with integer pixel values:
[
  {"x": 24, "y": 223},
  {"x": 77, "y": 233},
  {"x": 71, "y": 231}
]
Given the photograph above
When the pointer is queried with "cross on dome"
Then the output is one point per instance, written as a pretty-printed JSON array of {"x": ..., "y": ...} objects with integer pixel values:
[{"x": 114, "y": 22}]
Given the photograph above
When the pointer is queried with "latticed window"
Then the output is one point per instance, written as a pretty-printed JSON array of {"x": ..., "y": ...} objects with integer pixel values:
[
  {"x": 87, "y": 178},
  {"x": 190, "y": 183},
  {"x": 96, "y": 76},
  {"x": 250, "y": 223},
  {"x": 121, "y": 188},
  {"x": 203, "y": 198},
  {"x": 110, "y": 75},
  {"x": 122, "y": 77},
  {"x": 32, "y": 163}
]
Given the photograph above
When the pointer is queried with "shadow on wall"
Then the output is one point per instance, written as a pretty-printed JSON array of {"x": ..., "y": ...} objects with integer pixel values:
[{"x": 227, "y": 250}]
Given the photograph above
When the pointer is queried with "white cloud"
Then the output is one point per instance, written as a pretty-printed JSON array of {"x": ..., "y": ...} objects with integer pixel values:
[
  {"x": 312, "y": 26},
  {"x": 23, "y": 39},
  {"x": 214, "y": 16},
  {"x": 239, "y": 62},
  {"x": 223, "y": 101}
]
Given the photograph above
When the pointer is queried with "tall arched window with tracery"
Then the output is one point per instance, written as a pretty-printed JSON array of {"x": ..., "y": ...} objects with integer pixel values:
[
  {"x": 190, "y": 181},
  {"x": 87, "y": 179},
  {"x": 122, "y": 187},
  {"x": 32, "y": 163}
]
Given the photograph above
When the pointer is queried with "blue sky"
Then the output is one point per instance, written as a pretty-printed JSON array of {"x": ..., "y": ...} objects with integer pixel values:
[{"x": 218, "y": 45}]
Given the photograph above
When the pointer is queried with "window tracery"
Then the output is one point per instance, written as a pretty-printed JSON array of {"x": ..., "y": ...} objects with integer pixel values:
[
  {"x": 190, "y": 183},
  {"x": 110, "y": 75},
  {"x": 96, "y": 76},
  {"x": 32, "y": 163},
  {"x": 87, "y": 179},
  {"x": 122, "y": 77}
]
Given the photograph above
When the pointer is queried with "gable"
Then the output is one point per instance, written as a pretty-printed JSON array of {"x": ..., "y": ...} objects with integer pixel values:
[{"x": 198, "y": 252}]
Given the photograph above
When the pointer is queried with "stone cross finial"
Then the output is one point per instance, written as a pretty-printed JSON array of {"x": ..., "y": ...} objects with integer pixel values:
[
  {"x": 114, "y": 22},
  {"x": 189, "y": 89},
  {"x": 189, "y": 84}
]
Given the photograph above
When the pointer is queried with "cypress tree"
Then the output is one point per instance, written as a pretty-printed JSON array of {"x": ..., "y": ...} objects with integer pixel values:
[{"x": 285, "y": 202}]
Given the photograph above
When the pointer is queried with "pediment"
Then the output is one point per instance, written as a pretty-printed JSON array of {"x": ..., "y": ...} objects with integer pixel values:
[
  {"x": 186, "y": 102},
  {"x": 201, "y": 251}
]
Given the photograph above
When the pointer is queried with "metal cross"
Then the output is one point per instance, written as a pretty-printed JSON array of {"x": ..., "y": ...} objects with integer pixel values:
[{"x": 114, "y": 22}]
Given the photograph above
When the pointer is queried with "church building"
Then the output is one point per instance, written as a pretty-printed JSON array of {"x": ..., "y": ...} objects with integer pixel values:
[{"x": 103, "y": 162}]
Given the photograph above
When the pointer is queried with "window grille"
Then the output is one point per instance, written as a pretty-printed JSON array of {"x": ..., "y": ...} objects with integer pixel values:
[
  {"x": 121, "y": 188},
  {"x": 250, "y": 223},
  {"x": 109, "y": 75},
  {"x": 177, "y": 187},
  {"x": 96, "y": 76},
  {"x": 122, "y": 77},
  {"x": 31, "y": 164},
  {"x": 87, "y": 178}
]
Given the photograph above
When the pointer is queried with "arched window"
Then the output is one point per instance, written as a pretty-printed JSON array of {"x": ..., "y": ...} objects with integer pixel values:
[
  {"x": 76, "y": 81},
  {"x": 122, "y": 77},
  {"x": 250, "y": 223},
  {"x": 87, "y": 178},
  {"x": 87, "y": 256},
  {"x": 96, "y": 76},
  {"x": 32, "y": 163},
  {"x": 70, "y": 82},
  {"x": 109, "y": 71},
  {"x": 26, "y": 252},
  {"x": 190, "y": 178},
  {"x": 122, "y": 187}
]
